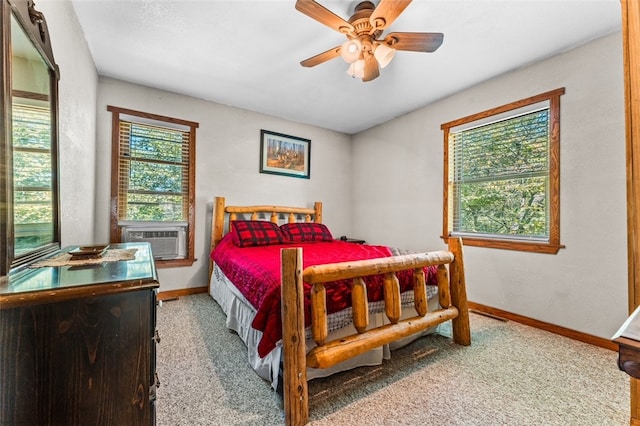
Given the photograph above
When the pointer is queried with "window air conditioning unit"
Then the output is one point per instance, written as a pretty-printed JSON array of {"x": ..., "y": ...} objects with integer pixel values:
[{"x": 166, "y": 242}]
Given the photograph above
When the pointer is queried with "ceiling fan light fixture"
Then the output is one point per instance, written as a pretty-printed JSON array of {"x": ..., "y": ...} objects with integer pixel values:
[
  {"x": 356, "y": 69},
  {"x": 384, "y": 54},
  {"x": 350, "y": 50},
  {"x": 366, "y": 49}
]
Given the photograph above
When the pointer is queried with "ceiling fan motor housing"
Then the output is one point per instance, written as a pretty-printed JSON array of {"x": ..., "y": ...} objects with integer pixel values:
[{"x": 363, "y": 27}]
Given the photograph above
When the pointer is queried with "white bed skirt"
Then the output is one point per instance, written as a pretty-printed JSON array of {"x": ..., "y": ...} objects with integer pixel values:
[{"x": 240, "y": 315}]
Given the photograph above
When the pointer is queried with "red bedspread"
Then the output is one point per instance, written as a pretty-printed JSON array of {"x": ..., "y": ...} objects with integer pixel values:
[{"x": 256, "y": 273}]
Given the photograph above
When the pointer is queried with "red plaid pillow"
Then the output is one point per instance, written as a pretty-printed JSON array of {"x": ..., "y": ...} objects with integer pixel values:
[
  {"x": 248, "y": 233},
  {"x": 306, "y": 232}
]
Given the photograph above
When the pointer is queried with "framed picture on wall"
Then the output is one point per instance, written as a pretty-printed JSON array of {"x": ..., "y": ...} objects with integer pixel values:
[{"x": 285, "y": 155}]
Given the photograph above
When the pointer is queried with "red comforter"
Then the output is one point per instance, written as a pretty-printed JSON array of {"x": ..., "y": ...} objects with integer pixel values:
[{"x": 256, "y": 273}]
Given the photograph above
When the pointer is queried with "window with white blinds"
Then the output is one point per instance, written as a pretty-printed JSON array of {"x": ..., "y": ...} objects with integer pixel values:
[
  {"x": 499, "y": 174},
  {"x": 502, "y": 180},
  {"x": 153, "y": 178},
  {"x": 153, "y": 173},
  {"x": 33, "y": 189}
]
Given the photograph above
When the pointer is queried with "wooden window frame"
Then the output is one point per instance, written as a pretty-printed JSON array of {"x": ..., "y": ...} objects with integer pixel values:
[
  {"x": 552, "y": 245},
  {"x": 115, "y": 228}
]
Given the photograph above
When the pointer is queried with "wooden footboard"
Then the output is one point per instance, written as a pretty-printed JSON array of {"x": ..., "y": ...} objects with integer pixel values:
[{"x": 452, "y": 298}]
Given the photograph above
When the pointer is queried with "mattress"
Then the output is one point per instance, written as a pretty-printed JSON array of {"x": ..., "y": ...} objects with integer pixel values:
[{"x": 240, "y": 314}]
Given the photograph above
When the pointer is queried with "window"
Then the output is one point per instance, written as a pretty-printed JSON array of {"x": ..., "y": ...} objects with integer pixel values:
[
  {"x": 153, "y": 181},
  {"x": 502, "y": 176},
  {"x": 33, "y": 193}
]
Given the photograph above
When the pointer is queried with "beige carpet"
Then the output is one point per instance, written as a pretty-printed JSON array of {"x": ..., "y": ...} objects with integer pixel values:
[{"x": 511, "y": 375}]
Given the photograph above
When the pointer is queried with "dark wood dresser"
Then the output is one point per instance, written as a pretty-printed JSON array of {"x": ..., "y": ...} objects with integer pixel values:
[{"x": 77, "y": 343}]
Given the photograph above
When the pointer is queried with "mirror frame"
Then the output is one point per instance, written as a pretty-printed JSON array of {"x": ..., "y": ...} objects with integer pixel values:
[{"x": 35, "y": 27}]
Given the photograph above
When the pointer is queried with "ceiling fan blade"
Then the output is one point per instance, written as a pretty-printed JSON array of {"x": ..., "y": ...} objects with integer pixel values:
[
  {"x": 371, "y": 70},
  {"x": 414, "y": 42},
  {"x": 323, "y": 15},
  {"x": 321, "y": 57},
  {"x": 386, "y": 12}
]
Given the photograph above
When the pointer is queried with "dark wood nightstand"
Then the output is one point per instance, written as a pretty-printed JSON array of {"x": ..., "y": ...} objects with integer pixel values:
[{"x": 351, "y": 240}]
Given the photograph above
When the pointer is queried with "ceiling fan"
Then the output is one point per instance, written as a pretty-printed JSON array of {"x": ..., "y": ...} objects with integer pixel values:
[{"x": 363, "y": 50}]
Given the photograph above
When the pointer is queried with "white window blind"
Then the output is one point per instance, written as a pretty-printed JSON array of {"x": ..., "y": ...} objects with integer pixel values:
[
  {"x": 153, "y": 173},
  {"x": 498, "y": 174}
]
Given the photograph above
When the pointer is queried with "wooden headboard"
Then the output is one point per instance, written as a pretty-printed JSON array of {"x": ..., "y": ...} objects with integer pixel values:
[{"x": 220, "y": 224}]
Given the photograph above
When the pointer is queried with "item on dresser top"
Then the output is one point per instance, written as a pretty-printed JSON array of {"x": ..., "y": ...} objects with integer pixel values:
[{"x": 68, "y": 259}]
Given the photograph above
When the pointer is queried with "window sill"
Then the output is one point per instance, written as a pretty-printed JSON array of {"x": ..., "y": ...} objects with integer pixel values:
[
  {"x": 176, "y": 263},
  {"x": 533, "y": 247}
]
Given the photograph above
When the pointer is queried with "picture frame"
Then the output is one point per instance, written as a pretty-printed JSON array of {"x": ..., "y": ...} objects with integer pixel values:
[{"x": 284, "y": 155}]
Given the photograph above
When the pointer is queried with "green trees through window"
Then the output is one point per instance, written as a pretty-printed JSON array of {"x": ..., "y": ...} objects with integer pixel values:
[
  {"x": 157, "y": 173},
  {"x": 502, "y": 184},
  {"x": 499, "y": 175},
  {"x": 32, "y": 174}
]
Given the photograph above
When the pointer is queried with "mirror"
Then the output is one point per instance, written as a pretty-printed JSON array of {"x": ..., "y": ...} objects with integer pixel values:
[{"x": 30, "y": 166}]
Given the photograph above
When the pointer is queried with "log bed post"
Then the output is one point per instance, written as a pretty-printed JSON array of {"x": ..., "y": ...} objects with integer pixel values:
[
  {"x": 296, "y": 392},
  {"x": 217, "y": 228},
  {"x": 460, "y": 324},
  {"x": 317, "y": 207}
]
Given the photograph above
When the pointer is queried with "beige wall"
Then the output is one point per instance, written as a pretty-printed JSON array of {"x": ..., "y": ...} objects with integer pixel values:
[
  {"x": 77, "y": 123},
  {"x": 398, "y": 192},
  {"x": 29, "y": 75}
]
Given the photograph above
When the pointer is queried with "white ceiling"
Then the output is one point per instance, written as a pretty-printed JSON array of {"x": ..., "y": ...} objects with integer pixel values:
[{"x": 247, "y": 53}]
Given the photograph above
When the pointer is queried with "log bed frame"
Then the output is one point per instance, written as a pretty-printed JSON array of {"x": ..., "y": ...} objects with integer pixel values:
[{"x": 451, "y": 293}]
